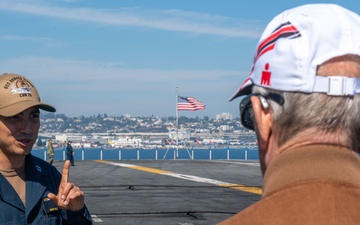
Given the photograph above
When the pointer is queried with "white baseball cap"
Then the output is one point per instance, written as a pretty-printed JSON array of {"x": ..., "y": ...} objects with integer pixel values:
[{"x": 296, "y": 42}]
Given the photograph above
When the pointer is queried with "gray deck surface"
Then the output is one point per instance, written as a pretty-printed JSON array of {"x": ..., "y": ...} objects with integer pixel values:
[{"x": 179, "y": 192}]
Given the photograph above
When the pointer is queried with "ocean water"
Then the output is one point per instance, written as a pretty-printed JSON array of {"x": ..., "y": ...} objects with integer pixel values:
[{"x": 153, "y": 154}]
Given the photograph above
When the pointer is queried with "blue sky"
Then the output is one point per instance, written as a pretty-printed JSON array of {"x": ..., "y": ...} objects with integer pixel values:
[{"x": 127, "y": 57}]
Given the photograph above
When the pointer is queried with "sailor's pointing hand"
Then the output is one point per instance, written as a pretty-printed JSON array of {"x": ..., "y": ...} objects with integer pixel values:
[{"x": 69, "y": 196}]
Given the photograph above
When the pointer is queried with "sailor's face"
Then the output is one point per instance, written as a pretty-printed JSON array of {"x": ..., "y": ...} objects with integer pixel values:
[{"x": 18, "y": 133}]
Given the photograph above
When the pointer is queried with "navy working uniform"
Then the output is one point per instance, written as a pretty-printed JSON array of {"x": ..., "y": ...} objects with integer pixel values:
[
  {"x": 41, "y": 178},
  {"x": 69, "y": 154}
]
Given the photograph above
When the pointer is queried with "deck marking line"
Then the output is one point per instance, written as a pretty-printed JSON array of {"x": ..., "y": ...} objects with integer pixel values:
[
  {"x": 239, "y": 187},
  {"x": 96, "y": 219}
]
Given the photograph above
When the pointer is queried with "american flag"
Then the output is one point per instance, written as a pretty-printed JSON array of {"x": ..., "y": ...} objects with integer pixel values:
[{"x": 189, "y": 103}]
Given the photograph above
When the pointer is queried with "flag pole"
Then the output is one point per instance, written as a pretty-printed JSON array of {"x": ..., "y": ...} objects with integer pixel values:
[
  {"x": 177, "y": 120},
  {"x": 176, "y": 124}
]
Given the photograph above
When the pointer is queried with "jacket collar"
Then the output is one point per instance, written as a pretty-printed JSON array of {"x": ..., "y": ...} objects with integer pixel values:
[
  {"x": 34, "y": 187},
  {"x": 320, "y": 161}
]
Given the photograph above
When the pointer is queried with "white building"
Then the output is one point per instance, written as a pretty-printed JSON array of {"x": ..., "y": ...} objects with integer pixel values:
[
  {"x": 223, "y": 116},
  {"x": 125, "y": 142},
  {"x": 224, "y": 127},
  {"x": 181, "y": 133}
]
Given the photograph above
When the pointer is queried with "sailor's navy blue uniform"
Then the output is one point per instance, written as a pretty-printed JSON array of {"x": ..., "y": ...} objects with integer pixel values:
[{"x": 41, "y": 178}]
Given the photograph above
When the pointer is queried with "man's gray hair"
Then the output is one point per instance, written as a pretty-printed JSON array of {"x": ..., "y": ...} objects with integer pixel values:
[{"x": 335, "y": 116}]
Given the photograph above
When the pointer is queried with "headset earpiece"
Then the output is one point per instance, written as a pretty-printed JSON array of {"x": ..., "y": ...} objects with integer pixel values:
[{"x": 264, "y": 102}]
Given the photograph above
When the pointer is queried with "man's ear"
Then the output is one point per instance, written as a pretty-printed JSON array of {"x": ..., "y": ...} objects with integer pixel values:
[{"x": 262, "y": 121}]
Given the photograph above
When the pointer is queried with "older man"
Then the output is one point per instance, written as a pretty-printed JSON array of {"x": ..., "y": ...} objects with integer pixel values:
[{"x": 302, "y": 99}]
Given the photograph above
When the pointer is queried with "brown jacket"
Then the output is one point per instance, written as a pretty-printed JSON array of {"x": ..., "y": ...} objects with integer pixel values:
[{"x": 317, "y": 184}]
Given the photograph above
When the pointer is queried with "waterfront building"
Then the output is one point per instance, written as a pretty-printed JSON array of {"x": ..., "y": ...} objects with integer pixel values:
[{"x": 224, "y": 116}]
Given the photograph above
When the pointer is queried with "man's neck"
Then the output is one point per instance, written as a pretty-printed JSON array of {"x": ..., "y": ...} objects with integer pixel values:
[
  {"x": 314, "y": 136},
  {"x": 11, "y": 162},
  {"x": 13, "y": 169}
]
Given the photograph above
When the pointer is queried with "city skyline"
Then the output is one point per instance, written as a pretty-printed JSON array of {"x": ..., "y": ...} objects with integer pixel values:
[
  {"x": 116, "y": 57},
  {"x": 223, "y": 115}
]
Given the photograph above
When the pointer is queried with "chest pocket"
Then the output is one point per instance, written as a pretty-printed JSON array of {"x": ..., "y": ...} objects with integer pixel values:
[
  {"x": 51, "y": 213},
  {"x": 53, "y": 220}
]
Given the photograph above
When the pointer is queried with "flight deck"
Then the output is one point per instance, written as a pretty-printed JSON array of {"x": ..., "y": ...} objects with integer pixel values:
[{"x": 169, "y": 192}]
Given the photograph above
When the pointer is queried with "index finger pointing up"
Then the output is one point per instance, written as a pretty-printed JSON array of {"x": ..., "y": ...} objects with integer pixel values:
[{"x": 65, "y": 172}]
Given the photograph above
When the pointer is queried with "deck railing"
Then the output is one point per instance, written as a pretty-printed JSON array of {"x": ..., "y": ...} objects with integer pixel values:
[{"x": 154, "y": 154}]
